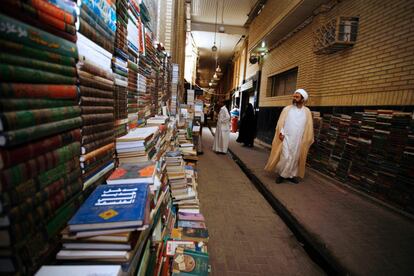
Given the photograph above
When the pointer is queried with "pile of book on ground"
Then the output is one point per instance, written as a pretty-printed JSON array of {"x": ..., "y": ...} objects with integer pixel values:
[
  {"x": 371, "y": 150},
  {"x": 39, "y": 130}
]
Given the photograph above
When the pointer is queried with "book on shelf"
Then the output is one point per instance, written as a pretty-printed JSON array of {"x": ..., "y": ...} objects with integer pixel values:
[
  {"x": 133, "y": 173},
  {"x": 112, "y": 206}
]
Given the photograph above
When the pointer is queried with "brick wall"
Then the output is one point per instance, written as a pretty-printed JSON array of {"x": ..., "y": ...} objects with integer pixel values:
[{"x": 378, "y": 70}]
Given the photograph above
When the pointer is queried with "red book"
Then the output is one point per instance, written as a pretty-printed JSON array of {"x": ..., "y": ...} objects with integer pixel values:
[
  {"x": 18, "y": 155},
  {"x": 133, "y": 173},
  {"x": 53, "y": 91}
]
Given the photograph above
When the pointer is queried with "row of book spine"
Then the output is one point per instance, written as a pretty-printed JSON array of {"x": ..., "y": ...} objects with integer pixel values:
[
  {"x": 96, "y": 84},
  {"x": 371, "y": 150},
  {"x": 40, "y": 138}
]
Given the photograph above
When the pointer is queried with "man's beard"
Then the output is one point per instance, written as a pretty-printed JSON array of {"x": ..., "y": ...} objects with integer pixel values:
[{"x": 295, "y": 102}]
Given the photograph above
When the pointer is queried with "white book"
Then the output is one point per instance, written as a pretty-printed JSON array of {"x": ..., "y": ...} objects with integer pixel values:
[
  {"x": 80, "y": 270},
  {"x": 96, "y": 246},
  {"x": 92, "y": 254}
]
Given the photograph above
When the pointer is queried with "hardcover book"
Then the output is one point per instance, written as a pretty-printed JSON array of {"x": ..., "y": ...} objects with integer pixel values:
[
  {"x": 189, "y": 262},
  {"x": 133, "y": 173},
  {"x": 112, "y": 206}
]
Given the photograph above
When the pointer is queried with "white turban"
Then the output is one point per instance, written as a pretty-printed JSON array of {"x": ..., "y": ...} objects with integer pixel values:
[{"x": 303, "y": 93}]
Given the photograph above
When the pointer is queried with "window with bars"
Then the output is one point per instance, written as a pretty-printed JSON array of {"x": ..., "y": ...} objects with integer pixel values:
[{"x": 283, "y": 83}]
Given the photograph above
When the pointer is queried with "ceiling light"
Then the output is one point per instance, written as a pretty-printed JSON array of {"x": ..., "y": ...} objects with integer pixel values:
[
  {"x": 218, "y": 69},
  {"x": 214, "y": 48},
  {"x": 210, "y": 84},
  {"x": 263, "y": 44},
  {"x": 221, "y": 29}
]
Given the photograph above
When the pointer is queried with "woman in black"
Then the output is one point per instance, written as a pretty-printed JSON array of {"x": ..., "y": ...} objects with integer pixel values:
[{"x": 247, "y": 127}]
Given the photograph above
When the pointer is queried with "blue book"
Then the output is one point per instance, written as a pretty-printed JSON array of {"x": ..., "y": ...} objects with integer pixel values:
[{"x": 112, "y": 206}]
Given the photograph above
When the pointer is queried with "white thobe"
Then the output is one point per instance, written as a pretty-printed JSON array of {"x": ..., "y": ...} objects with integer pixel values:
[
  {"x": 293, "y": 132},
  {"x": 221, "y": 138}
]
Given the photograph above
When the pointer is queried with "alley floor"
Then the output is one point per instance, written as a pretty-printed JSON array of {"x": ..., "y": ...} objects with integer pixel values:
[
  {"x": 246, "y": 235},
  {"x": 362, "y": 236}
]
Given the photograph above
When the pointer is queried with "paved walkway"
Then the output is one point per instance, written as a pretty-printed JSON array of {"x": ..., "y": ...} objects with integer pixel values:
[
  {"x": 363, "y": 236},
  {"x": 246, "y": 236}
]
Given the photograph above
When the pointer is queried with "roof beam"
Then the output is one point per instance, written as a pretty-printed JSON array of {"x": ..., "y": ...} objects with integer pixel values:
[{"x": 210, "y": 27}]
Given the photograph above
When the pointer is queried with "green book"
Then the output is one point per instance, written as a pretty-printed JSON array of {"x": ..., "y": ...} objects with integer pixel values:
[
  {"x": 13, "y": 73},
  {"x": 19, "y": 32},
  {"x": 7, "y": 105},
  {"x": 64, "y": 70},
  {"x": 27, "y": 118},
  {"x": 50, "y": 176},
  {"x": 31, "y": 168},
  {"x": 26, "y": 51},
  {"x": 189, "y": 262},
  {"x": 24, "y": 135}
]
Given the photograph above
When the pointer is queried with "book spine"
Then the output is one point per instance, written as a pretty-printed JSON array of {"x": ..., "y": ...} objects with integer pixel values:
[
  {"x": 7, "y": 105},
  {"x": 97, "y": 144},
  {"x": 102, "y": 9},
  {"x": 22, "y": 119},
  {"x": 48, "y": 177},
  {"x": 93, "y": 17},
  {"x": 96, "y": 101},
  {"x": 95, "y": 70},
  {"x": 20, "y": 32},
  {"x": 16, "y": 137},
  {"x": 92, "y": 34},
  {"x": 19, "y": 194},
  {"x": 48, "y": 91},
  {"x": 26, "y": 51},
  {"x": 12, "y": 73},
  {"x": 67, "y": 5},
  {"x": 17, "y": 174},
  {"x": 41, "y": 16},
  {"x": 88, "y": 130},
  {"x": 29, "y": 222},
  {"x": 96, "y": 24},
  {"x": 14, "y": 156},
  {"x": 95, "y": 93},
  {"x": 94, "y": 170},
  {"x": 97, "y": 109},
  {"x": 98, "y": 118},
  {"x": 96, "y": 152},
  {"x": 44, "y": 199},
  {"x": 37, "y": 64},
  {"x": 85, "y": 80},
  {"x": 86, "y": 139},
  {"x": 95, "y": 161},
  {"x": 52, "y": 10}
]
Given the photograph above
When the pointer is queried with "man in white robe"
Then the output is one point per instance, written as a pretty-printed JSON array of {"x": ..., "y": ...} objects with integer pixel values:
[
  {"x": 293, "y": 137},
  {"x": 221, "y": 138}
]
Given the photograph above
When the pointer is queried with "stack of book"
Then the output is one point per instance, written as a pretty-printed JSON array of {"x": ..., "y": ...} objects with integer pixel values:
[
  {"x": 39, "y": 130},
  {"x": 111, "y": 227},
  {"x": 120, "y": 67},
  {"x": 174, "y": 88},
  {"x": 157, "y": 120},
  {"x": 97, "y": 102},
  {"x": 144, "y": 98},
  {"x": 137, "y": 145},
  {"x": 97, "y": 21},
  {"x": 370, "y": 150}
]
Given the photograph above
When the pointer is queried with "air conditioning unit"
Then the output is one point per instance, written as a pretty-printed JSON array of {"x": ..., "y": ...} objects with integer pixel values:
[{"x": 338, "y": 34}]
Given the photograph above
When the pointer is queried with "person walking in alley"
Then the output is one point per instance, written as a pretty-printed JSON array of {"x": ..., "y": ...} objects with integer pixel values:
[
  {"x": 247, "y": 127},
  {"x": 221, "y": 138},
  {"x": 293, "y": 137}
]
